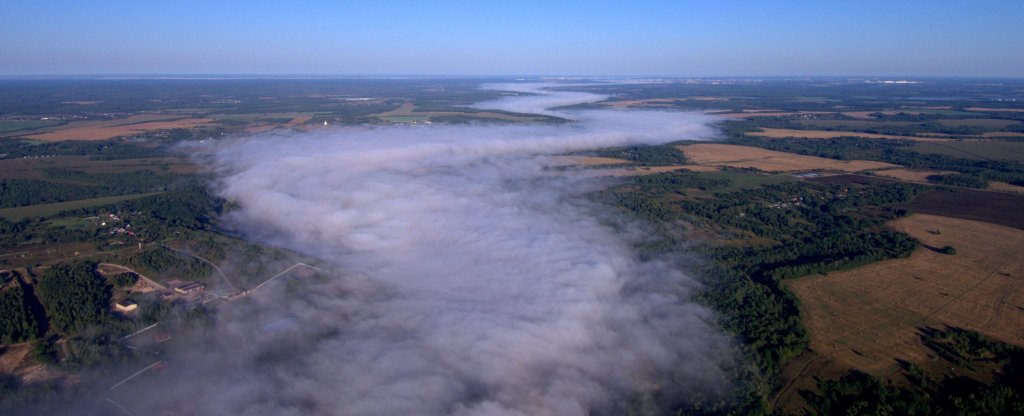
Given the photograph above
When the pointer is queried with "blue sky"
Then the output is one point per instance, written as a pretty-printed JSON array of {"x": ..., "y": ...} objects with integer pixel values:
[{"x": 681, "y": 38}]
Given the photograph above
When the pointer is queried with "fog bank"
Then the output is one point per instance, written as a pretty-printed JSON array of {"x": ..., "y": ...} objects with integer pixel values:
[{"x": 470, "y": 280}]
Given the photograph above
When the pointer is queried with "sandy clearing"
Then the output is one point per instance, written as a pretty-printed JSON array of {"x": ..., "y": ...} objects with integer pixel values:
[
  {"x": 712, "y": 154},
  {"x": 869, "y": 317}
]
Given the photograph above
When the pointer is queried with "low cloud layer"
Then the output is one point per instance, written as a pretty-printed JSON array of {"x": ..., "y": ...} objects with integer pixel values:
[{"x": 471, "y": 281}]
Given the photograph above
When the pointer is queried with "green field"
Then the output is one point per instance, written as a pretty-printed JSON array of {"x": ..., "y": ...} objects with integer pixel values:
[
  {"x": 44, "y": 210},
  {"x": 23, "y": 125},
  {"x": 974, "y": 149},
  {"x": 991, "y": 123}
]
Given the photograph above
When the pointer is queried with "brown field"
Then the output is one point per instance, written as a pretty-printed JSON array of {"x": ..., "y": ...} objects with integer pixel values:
[
  {"x": 869, "y": 317},
  {"x": 1006, "y": 110},
  {"x": 1002, "y": 134},
  {"x": 34, "y": 168},
  {"x": 769, "y": 160},
  {"x": 1001, "y": 208},
  {"x": 108, "y": 129},
  {"x": 1005, "y": 187},
  {"x": 297, "y": 121},
  {"x": 910, "y": 175},
  {"x": 828, "y": 134}
]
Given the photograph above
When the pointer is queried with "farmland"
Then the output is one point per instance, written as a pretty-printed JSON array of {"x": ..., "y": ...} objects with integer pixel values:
[
  {"x": 829, "y": 134},
  {"x": 995, "y": 207},
  {"x": 871, "y": 317},
  {"x": 768, "y": 160},
  {"x": 975, "y": 149}
]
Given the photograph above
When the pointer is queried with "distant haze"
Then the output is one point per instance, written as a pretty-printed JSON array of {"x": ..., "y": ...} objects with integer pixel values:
[{"x": 681, "y": 38}]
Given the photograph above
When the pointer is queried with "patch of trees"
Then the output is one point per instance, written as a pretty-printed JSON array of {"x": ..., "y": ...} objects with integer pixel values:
[
  {"x": 959, "y": 179},
  {"x": 857, "y": 393},
  {"x": 647, "y": 155},
  {"x": 74, "y": 296},
  {"x": 126, "y": 279},
  {"x": 190, "y": 206},
  {"x": 105, "y": 150},
  {"x": 17, "y": 321},
  {"x": 159, "y": 260},
  {"x": 72, "y": 185},
  {"x": 676, "y": 181}
]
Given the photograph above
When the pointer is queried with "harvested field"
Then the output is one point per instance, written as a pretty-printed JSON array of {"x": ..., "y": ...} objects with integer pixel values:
[
  {"x": 108, "y": 129},
  {"x": 869, "y": 317},
  {"x": 297, "y": 121},
  {"x": 1005, "y": 187},
  {"x": 769, "y": 160},
  {"x": 828, "y": 134},
  {"x": 910, "y": 175},
  {"x": 1002, "y": 134},
  {"x": 993, "y": 207}
]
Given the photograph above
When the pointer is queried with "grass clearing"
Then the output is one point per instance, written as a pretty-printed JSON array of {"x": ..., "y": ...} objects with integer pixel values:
[
  {"x": 910, "y": 175},
  {"x": 17, "y": 126},
  {"x": 728, "y": 155},
  {"x": 45, "y": 210},
  {"x": 35, "y": 168}
]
